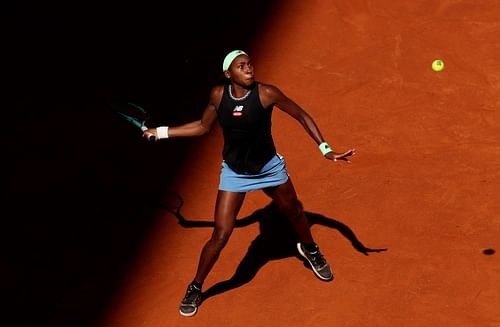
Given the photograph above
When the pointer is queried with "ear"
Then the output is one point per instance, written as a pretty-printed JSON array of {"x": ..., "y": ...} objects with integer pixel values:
[{"x": 227, "y": 74}]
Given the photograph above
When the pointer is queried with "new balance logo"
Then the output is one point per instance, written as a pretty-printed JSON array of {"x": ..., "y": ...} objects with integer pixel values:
[{"x": 238, "y": 111}]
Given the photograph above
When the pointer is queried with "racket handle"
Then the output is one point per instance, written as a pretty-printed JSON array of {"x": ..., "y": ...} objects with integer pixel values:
[{"x": 150, "y": 137}]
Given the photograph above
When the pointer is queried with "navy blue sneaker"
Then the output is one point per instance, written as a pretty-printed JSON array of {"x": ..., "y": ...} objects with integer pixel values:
[
  {"x": 318, "y": 263},
  {"x": 190, "y": 302}
]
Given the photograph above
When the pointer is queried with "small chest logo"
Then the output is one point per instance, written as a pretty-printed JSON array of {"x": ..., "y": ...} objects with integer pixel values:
[{"x": 238, "y": 111}]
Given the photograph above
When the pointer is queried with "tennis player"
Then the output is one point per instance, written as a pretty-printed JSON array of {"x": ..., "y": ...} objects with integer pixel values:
[{"x": 243, "y": 107}]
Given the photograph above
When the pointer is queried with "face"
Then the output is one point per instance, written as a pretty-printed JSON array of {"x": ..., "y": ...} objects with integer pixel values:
[{"x": 241, "y": 71}]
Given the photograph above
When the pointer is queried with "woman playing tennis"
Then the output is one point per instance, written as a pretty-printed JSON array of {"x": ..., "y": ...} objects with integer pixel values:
[{"x": 243, "y": 107}]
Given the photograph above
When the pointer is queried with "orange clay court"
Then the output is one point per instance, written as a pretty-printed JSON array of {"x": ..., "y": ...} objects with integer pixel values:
[
  {"x": 423, "y": 184},
  {"x": 411, "y": 227}
]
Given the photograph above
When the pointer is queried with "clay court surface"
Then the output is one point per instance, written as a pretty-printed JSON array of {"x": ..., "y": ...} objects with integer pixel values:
[{"x": 423, "y": 185}]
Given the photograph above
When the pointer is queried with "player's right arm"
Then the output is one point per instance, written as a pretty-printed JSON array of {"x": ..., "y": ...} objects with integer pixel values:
[{"x": 198, "y": 127}]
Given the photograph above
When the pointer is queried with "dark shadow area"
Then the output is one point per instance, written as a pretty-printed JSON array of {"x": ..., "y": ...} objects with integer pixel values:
[
  {"x": 77, "y": 211},
  {"x": 276, "y": 240}
]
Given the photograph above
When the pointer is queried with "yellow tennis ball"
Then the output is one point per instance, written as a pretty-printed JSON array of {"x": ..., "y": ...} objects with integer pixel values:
[{"x": 437, "y": 65}]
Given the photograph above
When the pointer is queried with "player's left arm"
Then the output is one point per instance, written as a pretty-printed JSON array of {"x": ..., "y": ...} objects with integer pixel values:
[{"x": 270, "y": 94}]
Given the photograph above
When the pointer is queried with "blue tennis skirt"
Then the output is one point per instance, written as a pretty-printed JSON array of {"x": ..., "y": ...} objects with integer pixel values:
[{"x": 274, "y": 173}]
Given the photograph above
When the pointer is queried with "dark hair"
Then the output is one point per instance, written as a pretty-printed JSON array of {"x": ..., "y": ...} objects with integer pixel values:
[{"x": 221, "y": 79}]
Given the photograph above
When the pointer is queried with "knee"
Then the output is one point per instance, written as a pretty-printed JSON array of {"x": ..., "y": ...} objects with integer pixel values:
[
  {"x": 294, "y": 212},
  {"x": 219, "y": 238}
]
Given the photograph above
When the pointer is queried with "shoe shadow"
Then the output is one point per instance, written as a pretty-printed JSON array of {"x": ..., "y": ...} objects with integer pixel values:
[{"x": 276, "y": 240}]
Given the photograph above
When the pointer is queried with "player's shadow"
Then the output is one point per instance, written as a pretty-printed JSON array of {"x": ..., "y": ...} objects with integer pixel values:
[{"x": 276, "y": 240}]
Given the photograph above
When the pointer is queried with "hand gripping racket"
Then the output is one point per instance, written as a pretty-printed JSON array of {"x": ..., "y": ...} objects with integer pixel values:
[{"x": 137, "y": 116}]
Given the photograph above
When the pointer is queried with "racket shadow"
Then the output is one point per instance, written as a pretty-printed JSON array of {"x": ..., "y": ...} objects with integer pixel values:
[{"x": 275, "y": 241}]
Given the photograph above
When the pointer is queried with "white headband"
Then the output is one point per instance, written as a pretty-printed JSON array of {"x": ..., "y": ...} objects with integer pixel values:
[{"x": 230, "y": 57}]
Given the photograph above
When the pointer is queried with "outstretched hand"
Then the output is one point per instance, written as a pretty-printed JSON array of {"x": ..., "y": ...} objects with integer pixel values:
[{"x": 335, "y": 156}]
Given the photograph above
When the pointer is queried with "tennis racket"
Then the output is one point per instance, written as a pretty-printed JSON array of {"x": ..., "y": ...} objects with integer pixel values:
[{"x": 137, "y": 116}]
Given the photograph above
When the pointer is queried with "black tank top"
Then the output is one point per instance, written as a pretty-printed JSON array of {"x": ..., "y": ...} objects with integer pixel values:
[{"x": 246, "y": 125}]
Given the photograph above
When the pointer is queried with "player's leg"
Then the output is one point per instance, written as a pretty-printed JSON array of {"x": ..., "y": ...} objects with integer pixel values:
[
  {"x": 286, "y": 201},
  {"x": 285, "y": 198},
  {"x": 226, "y": 209}
]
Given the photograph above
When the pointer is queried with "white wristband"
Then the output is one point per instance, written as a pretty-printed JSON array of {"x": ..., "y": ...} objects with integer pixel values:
[{"x": 162, "y": 132}]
